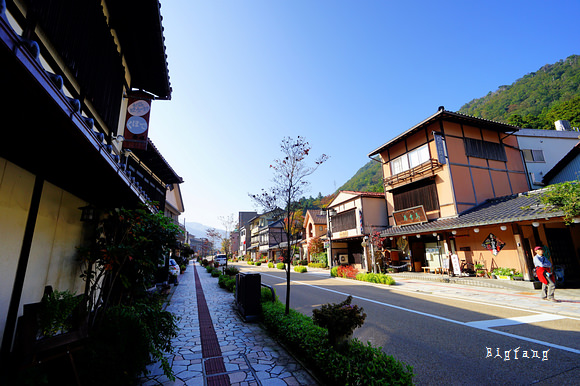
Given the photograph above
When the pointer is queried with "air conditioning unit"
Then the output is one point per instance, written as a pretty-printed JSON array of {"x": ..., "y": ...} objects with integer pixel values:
[{"x": 343, "y": 259}]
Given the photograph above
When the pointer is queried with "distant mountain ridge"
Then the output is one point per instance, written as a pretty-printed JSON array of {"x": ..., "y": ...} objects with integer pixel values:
[
  {"x": 536, "y": 101},
  {"x": 199, "y": 230}
]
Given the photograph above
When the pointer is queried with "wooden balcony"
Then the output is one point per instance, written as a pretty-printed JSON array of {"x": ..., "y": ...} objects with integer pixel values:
[{"x": 428, "y": 168}]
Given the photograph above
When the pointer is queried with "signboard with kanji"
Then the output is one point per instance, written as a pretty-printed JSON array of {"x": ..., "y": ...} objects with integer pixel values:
[
  {"x": 415, "y": 215},
  {"x": 137, "y": 122}
]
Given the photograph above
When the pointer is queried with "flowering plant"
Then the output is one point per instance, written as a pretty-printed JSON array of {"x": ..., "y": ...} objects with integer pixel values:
[
  {"x": 340, "y": 319},
  {"x": 347, "y": 271}
]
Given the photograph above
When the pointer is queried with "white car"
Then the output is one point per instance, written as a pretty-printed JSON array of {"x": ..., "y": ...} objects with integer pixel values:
[
  {"x": 220, "y": 259},
  {"x": 173, "y": 268}
]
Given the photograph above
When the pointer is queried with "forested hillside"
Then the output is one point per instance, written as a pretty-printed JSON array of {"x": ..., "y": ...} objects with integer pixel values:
[
  {"x": 369, "y": 178},
  {"x": 534, "y": 101}
]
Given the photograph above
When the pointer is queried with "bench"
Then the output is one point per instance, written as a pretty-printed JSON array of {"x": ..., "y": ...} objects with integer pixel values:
[{"x": 426, "y": 269}]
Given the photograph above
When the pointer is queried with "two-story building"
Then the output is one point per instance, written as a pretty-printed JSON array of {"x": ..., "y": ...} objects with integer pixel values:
[
  {"x": 353, "y": 217},
  {"x": 78, "y": 88},
  {"x": 244, "y": 231},
  {"x": 456, "y": 189},
  {"x": 315, "y": 225}
]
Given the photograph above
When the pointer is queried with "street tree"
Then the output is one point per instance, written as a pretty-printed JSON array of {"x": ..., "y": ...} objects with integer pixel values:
[
  {"x": 213, "y": 236},
  {"x": 229, "y": 224},
  {"x": 289, "y": 183}
]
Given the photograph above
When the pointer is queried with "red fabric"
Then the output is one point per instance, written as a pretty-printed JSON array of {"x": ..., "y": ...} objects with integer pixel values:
[{"x": 540, "y": 273}]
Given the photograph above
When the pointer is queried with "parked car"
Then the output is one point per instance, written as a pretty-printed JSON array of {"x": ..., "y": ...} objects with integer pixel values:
[
  {"x": 220, "y": 259},
  {"x": 174, "y": 271}
]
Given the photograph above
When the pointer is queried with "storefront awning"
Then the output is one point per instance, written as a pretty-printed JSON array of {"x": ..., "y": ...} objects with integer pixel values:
[{"x": 508, "y": 209}]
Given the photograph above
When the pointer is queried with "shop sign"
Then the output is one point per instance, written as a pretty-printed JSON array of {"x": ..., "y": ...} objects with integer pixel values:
[
  {"x": 440, "y": 148},
  {"x": 137, "y": 122},
  {"x": 455, "y": 263},
  {"x": 415, "y": 215},
  {"x": 493, "y": 244}
]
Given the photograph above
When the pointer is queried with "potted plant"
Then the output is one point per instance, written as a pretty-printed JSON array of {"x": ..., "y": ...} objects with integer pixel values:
[
  {"x": 479, "y": 270},
  {"x": 340, "y": 319},
  {"x": 503, "y": 273},
  {"x": 518, "y": 276}
]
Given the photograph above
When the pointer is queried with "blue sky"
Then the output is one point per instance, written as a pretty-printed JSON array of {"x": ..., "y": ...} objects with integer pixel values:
[{"x": 346, "y": 75}]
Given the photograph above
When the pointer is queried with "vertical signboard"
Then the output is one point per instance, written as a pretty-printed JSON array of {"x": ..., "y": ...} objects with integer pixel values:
[
  {"x": 440, "y": 147},
  {"x": 137, "y": 122}
]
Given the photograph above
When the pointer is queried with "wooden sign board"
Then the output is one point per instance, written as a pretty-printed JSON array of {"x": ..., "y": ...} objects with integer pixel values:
[{"x": 415, "y": 215}]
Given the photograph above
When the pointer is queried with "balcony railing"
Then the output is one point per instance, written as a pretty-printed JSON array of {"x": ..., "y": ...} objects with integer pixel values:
[{"x": 425, "y": 169}]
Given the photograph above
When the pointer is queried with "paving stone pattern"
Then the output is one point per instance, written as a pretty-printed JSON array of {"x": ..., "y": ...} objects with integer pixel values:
[{"x": 214, "y": 345}]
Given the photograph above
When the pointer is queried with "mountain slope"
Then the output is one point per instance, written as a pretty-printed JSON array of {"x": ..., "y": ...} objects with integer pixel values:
[{"x": 535, "y": 101}]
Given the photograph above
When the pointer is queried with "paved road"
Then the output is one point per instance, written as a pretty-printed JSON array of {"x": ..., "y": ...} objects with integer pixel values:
[{"x": 453, "y": 339}]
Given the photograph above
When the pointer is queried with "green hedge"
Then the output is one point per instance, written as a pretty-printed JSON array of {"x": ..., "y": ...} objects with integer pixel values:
[
  {"x": 300, "y": 269},
  {"x": 216, "y": 273},
  {"x": 227, "y": 282},
  {"x": 379, "y": 278},
  {"x": 355, "y": 363},
  {"x": 280, "y": 265},
  {"x": 270, "y": 265},
  {"x": 334, "y": 271},
  {"x": 317, "y": 265},
  {"x": 209, "y": 268}
]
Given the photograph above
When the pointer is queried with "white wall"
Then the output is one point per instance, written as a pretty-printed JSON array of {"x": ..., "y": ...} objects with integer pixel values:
[
  {"x": 554, "y": 144},
  {"x": 58, "y": 233}
]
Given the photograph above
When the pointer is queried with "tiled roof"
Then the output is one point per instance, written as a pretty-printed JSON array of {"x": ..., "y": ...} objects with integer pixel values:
[
  {"x": 318, "y": 216},
  {"x": 364, "y": 194},
  {"x": 449, "y": 116},
  {"x": 518, "y": 207}
]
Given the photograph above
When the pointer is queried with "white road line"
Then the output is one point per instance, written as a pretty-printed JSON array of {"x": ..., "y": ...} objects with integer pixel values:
[
  {"x": 513, "y": 321},
  {"x": 466, "y": 324}
]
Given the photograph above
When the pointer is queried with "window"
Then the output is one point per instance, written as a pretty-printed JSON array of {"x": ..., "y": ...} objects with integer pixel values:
[
  {"x": 410, "y": 160},
  {"x": 533, "y": 155},
  {"x": 344, "y": 221},
  {"x": 484, "y": 149},
  {"x": 420, "y": 193}
]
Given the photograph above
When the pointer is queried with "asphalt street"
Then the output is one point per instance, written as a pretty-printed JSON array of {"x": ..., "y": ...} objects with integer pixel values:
[{"x": 451, "y": 334}]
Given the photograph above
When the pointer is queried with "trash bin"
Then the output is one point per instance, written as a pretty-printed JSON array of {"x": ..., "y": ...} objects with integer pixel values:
[{"x": 248, "y": 293}]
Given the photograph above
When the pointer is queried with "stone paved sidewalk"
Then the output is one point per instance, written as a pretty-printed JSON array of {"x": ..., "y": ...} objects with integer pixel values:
[{"x": 250, "y": 356}]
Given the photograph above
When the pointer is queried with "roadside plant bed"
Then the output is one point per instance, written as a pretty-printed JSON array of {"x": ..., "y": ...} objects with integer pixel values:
[
  {"x": 227, "y": 282},
  {"x": 300, "y": 269},
  {"x": 352, "y": 363},
  {"x": 317, "y": 265},
  {"x": 280, "y": 265},
  {"x": 379, "y": 278}
]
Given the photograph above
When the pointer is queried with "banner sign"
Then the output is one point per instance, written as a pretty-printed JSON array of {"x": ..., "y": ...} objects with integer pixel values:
[
  {"x": 415, "y": 215},
  {"x": 137, "y": 122},
  {"x": 440, "y": 148}
]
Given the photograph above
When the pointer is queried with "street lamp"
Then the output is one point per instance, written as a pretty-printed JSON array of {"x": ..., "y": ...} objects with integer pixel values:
[{"x": 329, "y": 214}]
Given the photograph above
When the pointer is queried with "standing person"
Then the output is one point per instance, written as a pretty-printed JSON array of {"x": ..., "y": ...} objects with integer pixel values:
[{"x": 543, "y": 271}]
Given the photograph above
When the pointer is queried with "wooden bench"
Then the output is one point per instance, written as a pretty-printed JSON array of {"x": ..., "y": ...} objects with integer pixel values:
[{"x": 426, "y": 269}]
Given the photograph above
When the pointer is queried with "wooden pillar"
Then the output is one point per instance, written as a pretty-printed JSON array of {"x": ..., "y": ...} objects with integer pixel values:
[{"x": 526, "y": 264}]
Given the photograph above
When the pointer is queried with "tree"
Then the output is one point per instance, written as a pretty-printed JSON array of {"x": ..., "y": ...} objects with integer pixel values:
[
  {"x": 563, "y": 197},
  {"x": 213, "y": 235},
  {"x": 229, "y": 224},
  {"x": 289, "y": 180}
]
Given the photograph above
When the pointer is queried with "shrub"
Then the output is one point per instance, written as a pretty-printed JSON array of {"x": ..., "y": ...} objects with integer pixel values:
[
  {"x": 300, "y": 269},
  {"x": 266, "y": 295},
  {"x": 379, "y": 278},
  {"x": 209, "y": 268},
  {"x": 303, "y": 262},
  {"x": 270, "y": 265},
  {"x": 204, "y": 263},
  {"x": 340, "y": 319},
  {"x": 130, "y": 338},
  {"x": 227, "y": 282},
  {"x": 317, "y": 265},
  {"x": 347, "y": 271},
  {"x": 216, "y": 273},
  {"x": 280, "y": 265},
  {"x": 231, "y": 271},
  {"x": 258, "y": 263},
  {"x": 355, "y": 363},
  {"x": 334, "y": 271}
]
